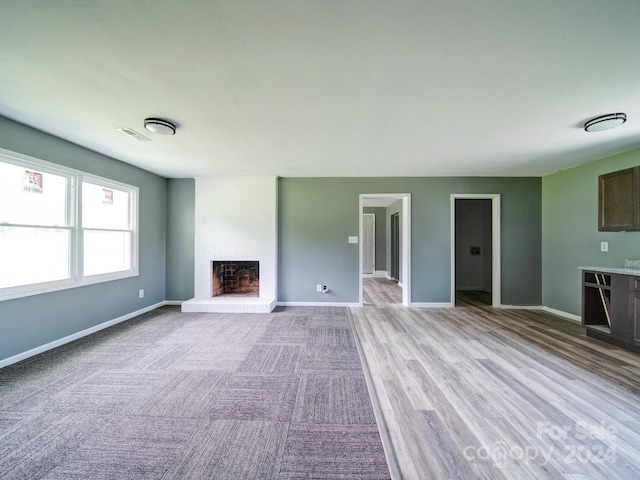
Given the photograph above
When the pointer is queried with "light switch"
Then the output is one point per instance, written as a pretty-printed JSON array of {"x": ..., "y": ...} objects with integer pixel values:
[
  {"x": 353, "y": 239},
  {"x": 604, "y": 246}
]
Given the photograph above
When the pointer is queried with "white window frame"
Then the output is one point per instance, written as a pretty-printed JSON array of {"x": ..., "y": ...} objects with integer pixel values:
[{"x": 74, "y": 220}]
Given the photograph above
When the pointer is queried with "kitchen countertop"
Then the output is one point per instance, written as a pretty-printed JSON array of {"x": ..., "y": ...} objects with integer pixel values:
[{"x": 620, "y": 270}]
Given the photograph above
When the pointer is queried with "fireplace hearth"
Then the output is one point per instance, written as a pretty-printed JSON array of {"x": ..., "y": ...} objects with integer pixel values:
[{"x": 232, "y": 278}]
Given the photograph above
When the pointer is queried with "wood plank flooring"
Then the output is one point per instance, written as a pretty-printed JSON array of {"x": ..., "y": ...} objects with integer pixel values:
[
  {"x": 478, "y": 392},
  {"x": 381, "y": 291}
]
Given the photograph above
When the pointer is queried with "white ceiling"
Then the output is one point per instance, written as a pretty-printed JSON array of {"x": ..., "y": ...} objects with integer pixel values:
[{"x": 328, "y": 88}]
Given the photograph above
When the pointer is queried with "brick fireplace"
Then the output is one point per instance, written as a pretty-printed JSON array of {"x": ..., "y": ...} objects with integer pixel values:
[
  {"x": 235, "y": 218},
  {"x": 232, "y": 278}
]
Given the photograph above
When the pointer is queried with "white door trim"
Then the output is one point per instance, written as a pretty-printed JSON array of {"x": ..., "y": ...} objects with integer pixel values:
[
  {"x": 496, "y": 298},
  {"x": 405, "y": 276}
]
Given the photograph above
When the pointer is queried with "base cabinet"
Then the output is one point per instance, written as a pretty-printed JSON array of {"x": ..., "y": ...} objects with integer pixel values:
[
  {"x": 611, "y": 308},
  {"x": 636, "y": 318}
]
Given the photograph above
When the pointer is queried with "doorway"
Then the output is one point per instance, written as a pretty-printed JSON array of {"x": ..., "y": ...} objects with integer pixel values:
[
  {"x": 475, "y": 252},
  {"x": 403, "y": 262}
]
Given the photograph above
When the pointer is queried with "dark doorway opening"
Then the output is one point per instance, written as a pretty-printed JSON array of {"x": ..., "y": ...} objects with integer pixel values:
[{"x": 473, "y": 251}]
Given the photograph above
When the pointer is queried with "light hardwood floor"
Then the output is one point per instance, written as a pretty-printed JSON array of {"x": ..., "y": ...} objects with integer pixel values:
[{"x": 477, "y": 392}]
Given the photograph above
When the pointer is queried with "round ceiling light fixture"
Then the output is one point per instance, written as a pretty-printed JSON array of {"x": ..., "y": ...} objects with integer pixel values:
[
  {"x": 159, "y": 126},
  {"x": 605, "y": 122}
]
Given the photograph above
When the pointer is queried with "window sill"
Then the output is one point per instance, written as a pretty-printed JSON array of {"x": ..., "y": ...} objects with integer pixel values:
[{"x": 22, "y": 291}]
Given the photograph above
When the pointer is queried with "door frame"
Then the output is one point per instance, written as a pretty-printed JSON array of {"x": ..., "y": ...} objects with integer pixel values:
[
  {"x": 405, "y": 261},
  {"x": 496, "y": 293}
]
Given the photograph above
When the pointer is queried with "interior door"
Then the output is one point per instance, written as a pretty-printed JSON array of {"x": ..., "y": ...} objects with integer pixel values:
[
  {"x": 369, "y": 243},
  {"x": 395, "y": 247}
]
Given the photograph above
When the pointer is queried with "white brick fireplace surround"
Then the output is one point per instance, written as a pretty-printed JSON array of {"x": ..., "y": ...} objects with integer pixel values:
[{"x": 236, "y": 219}]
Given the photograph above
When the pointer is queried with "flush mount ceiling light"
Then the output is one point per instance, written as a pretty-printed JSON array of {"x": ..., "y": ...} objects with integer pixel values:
[
  {"x": 159, "y": 126},
  {"x": 605, "y": 122}
]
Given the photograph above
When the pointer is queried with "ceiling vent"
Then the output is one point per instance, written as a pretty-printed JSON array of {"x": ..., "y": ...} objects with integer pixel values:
[{"x": 132, "y": 133}]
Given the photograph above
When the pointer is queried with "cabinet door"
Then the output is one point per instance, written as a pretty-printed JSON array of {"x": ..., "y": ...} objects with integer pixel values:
[
  {"x": 622, "y": 327},
  {"x": 619, "y": 201},
  {"x": 636, "y": 318}
]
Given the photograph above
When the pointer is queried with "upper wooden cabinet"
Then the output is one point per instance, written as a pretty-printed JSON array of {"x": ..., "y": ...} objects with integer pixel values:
[{"x": 619, "y": 201}]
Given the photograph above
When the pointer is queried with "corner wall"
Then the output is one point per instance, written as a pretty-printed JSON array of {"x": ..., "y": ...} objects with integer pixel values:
[
  {"x": 30, "y": 322},
  {"x": 180, "y": 238},
  {"x": 570, "y": 236}
]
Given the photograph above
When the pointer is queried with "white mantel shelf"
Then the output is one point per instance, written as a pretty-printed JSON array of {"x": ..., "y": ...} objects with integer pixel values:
[{"x": 229, "y": 305}]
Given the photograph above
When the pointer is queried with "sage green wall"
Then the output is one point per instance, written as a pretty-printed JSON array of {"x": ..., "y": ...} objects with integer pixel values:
[
  {"x": 570, "y": 236},
  {"x": 316, "y": 215},
  {"x": 30, "y": 322},
  {"x": 181, "y": 198}
]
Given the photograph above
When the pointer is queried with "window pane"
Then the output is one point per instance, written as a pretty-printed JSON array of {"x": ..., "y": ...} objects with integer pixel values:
[
  {"x": 106, "y": 252},
  {"x": 33, "y": 255},
  {"x": 32, "y": 197},
  {"x": 104, "y": 207}
]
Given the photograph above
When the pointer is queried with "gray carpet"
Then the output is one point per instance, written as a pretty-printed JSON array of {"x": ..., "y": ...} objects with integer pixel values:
[{"x": 195, "y": 396}]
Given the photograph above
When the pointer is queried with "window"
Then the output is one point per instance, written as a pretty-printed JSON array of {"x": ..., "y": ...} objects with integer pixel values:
[
  {"x": 107, "y": 228},
  {"x": 61, "y": 228},
  {"x": 35, "y": 228}
]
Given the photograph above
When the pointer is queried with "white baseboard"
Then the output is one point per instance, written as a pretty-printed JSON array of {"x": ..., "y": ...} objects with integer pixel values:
[
  {"x": 431, "y": 305},
  {"x": 521, "y": 307},
  {"x": 317, "y": 304},
  {"x": 75, "y": 336},
  {"x": 559, "y": 313},
  {"x": 174, "y": 302}
]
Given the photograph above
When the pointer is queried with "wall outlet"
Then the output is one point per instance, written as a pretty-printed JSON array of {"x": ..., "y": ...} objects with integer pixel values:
[
  {"x": 319, "y": 287},
  {"x": 604, "y": 246},
  {"x": 141, "y": 293}
]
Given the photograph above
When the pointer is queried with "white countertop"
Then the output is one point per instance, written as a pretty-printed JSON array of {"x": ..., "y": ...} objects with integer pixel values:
[{"x": 621, "y": 270}]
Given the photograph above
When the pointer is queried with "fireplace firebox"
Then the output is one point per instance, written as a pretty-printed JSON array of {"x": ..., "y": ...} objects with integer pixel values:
[{"x": 233, "y": 278}]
